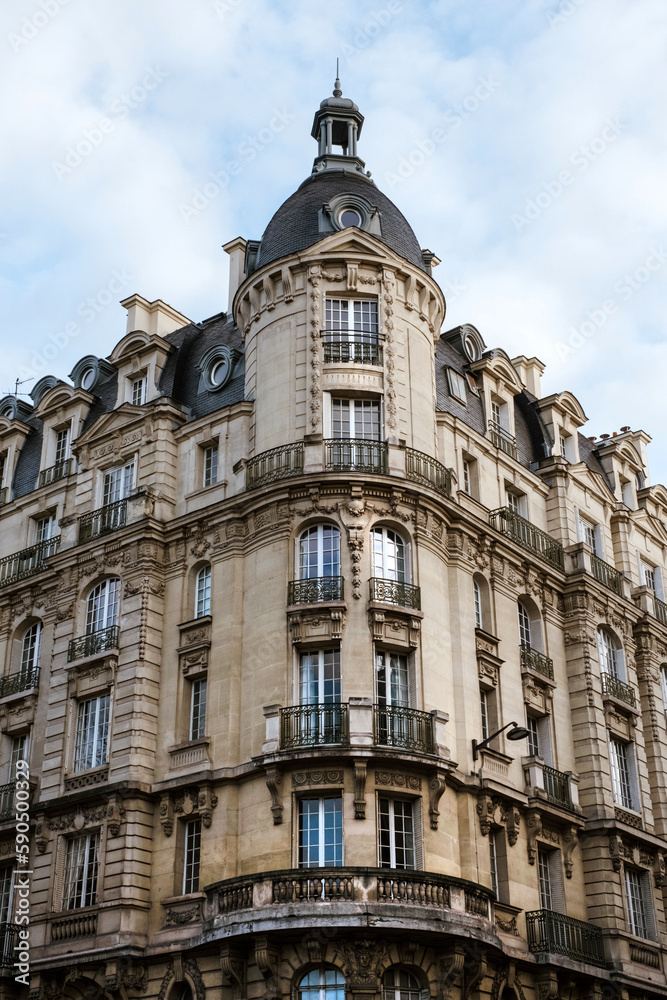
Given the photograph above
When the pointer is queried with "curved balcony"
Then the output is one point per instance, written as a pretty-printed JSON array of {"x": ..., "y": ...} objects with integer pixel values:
[
  {"x": 315, "y": 590},
  {"x": 423, "y": 469},
  {"x": 359, "y": 349},
  {"x": 355, "y": 455},
  {"x": 314, "y": 726},
  {"x": 378, "y": 888},
  {"x": 407, "y": 728},
  {"x": 270, "y": 466},
  {"x": 404, "y": 595}
]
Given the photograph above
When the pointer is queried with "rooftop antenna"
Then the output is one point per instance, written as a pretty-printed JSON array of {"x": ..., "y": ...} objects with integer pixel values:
[
  {"x": 16, "y": 387},
  {"x": 337, "y": 91}
]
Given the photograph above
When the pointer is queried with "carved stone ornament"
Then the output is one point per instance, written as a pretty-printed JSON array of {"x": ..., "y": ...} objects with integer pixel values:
[
  {"x": 362, "y": 961},
  {"x": 326, "y": 625},
  {"x": 274, "y": 781},
  {"x": 233, "y": 965},
  {"x": 533, "y": 831},
  {"x": 267, "y": 960},
  {"x": 398, "y": 779},
  {"x": 395, "y": 628},
  {"x": 166, "y": 815},
  {"x": 197, "y": 801},
  {"x": 436, "y": 786},
  {"x": 359, "y": 789},
  {"x": 331, "y": 776},
  {"x": 451, "y": 969}
]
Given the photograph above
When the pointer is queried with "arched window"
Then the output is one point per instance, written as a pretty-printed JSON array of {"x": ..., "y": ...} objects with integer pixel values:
[
  {"x": 477, "y": 597},
  {"x": 399, "y": 984},
  {"x": 610, "y": 654},
  {"x": 203, "y": 592},
  {"x": 322, "y": 984},
  {"x": 389, "y": 555},
  {"x": 102, "y": 606},
  {"x": 30, "y": 648},
  {"x": 530, "y": 624},
  {"x": 525, "y": 630},
  {"x": 319, "y": 552}
]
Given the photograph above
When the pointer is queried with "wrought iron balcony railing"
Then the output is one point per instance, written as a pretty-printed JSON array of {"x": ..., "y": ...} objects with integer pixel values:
[
  {"x": 4, "y": 494},
  {"x": 502, "y": 439},
  {"x": 396, "y": 726},
  {"x": 314, "y": 725},
  {"x": 94, "y": 642},
  {"x": 55, "y": 472},
  {"x": 103, "y": 520},
  {"x": 618, "y": 689},
  {"x": 284, "y": 462},
  {"x": 27, "y": 561},
  {"x": 9, "y": 939},
  {"x": 355, "y": 455},
  {"x": 551, "y": 933},
  {"x": 7, "y": 805},
  {"x": 534, "y": 660},
  {"x": 422, "y": 468},
  {"x": 357, "y": 351},
  {"x": 557, "y": 787},
  {"x": 607, "y": 575},
  {"x": 24, "y": 680},
  {"x": 527, "y": 535},
  {"x": 315, "y": 589},
  {"x": 660, "y": 610},
  {"x": 404, "y": 595}
]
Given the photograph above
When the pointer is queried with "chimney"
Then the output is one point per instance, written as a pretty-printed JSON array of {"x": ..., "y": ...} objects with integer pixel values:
[
  {"x": 236, "y": 250},
  {"x": 530, "y": 371}
]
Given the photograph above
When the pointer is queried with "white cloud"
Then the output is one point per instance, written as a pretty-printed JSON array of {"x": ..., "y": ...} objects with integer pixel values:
[{"x": 228, "y": 68}]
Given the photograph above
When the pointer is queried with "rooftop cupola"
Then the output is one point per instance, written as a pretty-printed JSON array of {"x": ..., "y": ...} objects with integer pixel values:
[{"x": 337, "y": 123}]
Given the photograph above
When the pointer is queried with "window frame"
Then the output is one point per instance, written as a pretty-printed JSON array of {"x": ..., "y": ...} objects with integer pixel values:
[
  {"x": 197, "y": 728},
  {"x": 624, "y": 776},
  {"x": 119, "y": 482},
  {"x": 321, "y": 532},
  {"x": 138, "y": 390},
  {"x": 191, "y": 856},
  {"x": 382, "y": 556},
  {"x": 457, "y": 386},
  {"x": 73, "y": 898},
  {"x": 639, "y": 903},
  {"x": 107, "y": 611},
  {"x": 303, "y": 845},
  {"x": 88, "y": 753},
  {"x": 391, "y": 834},
  {"x": 203, "y": 591},
  {"x": 210, "y": 466}
]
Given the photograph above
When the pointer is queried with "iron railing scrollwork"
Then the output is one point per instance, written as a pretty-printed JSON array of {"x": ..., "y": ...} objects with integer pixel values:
[
  {"x": 23, "y": 680},
  {"x": 404, "y": 595},
  {"x": 4, "y": 493},
  {"x": 660, "y": 610},
  {"x": 617, "y": 688},
  {"x": 358, "y": 351},
  {"x": 323, "y": 724},
  {"x": 315, "y": 589},
  {"x": 502, "y": 439},
  {"x": 27, "y": 561},
  {"x": 527, "y": 535},
  {"x": 270, "y": 466},
  {"x": 355, "y": 455},
  {"x": 556, "y": 934},
  {"x": 58, "y": 471},
  {"x": 408, "y": 728},
  {"x": 103, "y": 520},
  {"x": 557, "y": 787},
  {"x": 607, "y": 575},
  {"x": 94, "y": 642},
  {"x": 422, "y": 468},
  {"x": 534, "y": 660},
  {"x": 7, "y": 806},
  {"x": 9, "y": 939}
]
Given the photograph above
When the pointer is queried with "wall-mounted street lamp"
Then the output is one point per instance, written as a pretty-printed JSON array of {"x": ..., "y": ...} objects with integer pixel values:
[{"x": 516, "y": 733}]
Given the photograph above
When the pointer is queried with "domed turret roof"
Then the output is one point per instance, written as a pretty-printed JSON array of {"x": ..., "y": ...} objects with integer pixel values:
[{"x": 296, "y": 224}]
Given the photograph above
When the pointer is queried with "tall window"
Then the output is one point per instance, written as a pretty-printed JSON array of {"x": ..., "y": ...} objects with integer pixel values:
[
  {"x": 81, "y": 866},
  {"x": 397, "y": 834},
  {"x": 139, "y": 390},
  {"x": 663, "y": 682},
  {"x": 319, "y": 677},
  {"x": 192, "y": 856},
  {"x": 20, "y": 751},
  {"x": 118, "y": 483},
  {"x": 493, "y": 861},
  {"x": 623, "y": 774},
  {"x": 102, "y": 605},
  {"x": 319, "y": 552},
  {"x": 539, "y": 738},
  {"x": 467, "y": 477},
  {"x": 92, "y": 733},
  {"x": 198, "y": 709},
  {"x": 46, "y": 527},
  {"x": 477, "y": 597},
  {"x": 516, "y": 502},
  {"x": 589, "y": 535},
  {"x": 550, "y": 877},
  {"x": 392, "y": 679},
  {"x": 355, "y": 418},
  {"x": 322, "y": 984},
  {"x": 62, "y": 445},
  {"x": 399, "y": 984},
  {"x": 525, "y": 630},
  {"x": 639, "y": 899},
  {"x": 389, "y": 555},
  {"x": 348, "y": 320},
  {"x": 321, "y": 832},
  {"x": 6, "y": 893},
  {"x": 210, "y": 466},
  {"x": 609, "y": 654},
  {"x": 203, "y": 592},
  {"x": 648, "y": 574},
  {"x": 30, "y": 647},
  {"x": 484, "y": 711}
]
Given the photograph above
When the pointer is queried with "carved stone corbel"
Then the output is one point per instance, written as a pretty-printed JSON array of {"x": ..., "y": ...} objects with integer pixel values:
[
  {"x": 233, "y": 966},
  {"x": 269, "y": 292},
  {"x": 267, "y": 960},
  {"x": 659, "y": 870},
  {"x": 316, "y": 950},
  {"x": 206, "y": 803},
  {"x": 485, "y": 811},
  {"x": 274, "y": 781},
  {"x": 533, "y": 831},
  {"x": 451, "y": 969},
  {"x": 114, "y": 815},
  {"x": 474, "y": 976},
  {"x": 167, "y": 814},
  {"x": 41, "y": 838},
  {"x": 360, "y": 789},
  {"x": 513, "y": 824},
  {"x": 436, "y": 786},
  {"x": 407, "y": 948},
  {"x": 615, "y": 852},
  {"x": 569, "y": 840},
  {"x": 547, "y": 986},
  {"x": 287, "y": 284}
]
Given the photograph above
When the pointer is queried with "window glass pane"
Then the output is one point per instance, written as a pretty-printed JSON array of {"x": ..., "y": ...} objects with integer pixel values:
[
  {"x": 636, "y": 905},
  {"x": 477, "y": 595},
  {"x": 81, "y": 863},
  {"x": 620, "y": 774},
  {"x": 320, "y": 832},
  {"x": 607, "y": 653},
  {"x": 319, "y": 552},
  {"x": 102, "y": 608},
  {"x": 388, "y": 554},
  {"x": 544, "y": 877},
  {"x": 198, "y": 710},
  {"x": 192, "y": 856},
  {"x": 92, "y": 733},
  {"x": 524, "y": 626},
  {"x": 210, "y": 466},
  {"x": 203, "y": 598},
  {"x": 30, "y": 647}
]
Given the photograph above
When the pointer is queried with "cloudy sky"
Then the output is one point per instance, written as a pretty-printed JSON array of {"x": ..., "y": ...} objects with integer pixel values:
[{"x": 523, "y": 139}]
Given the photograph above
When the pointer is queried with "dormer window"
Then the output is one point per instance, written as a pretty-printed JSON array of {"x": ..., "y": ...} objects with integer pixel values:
[
  {"x": 566, "y": 445},
  {"x": 88, "y": 379},
  {"x": 457, "y": 385},
  {"x": 62, "y": 445},
  {"x": 349, "y": 217},
  {"x": 139, "y": 386}
]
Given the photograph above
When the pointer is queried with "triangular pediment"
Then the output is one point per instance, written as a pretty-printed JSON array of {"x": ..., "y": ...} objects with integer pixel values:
[
  {"x": 595, "y": 482},
  {"x": 352, "y": 242},
  {"x": 112, "y": 423}
]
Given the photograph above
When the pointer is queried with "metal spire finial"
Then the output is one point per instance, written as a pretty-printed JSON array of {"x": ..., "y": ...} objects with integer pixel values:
[{"x": 337, "y": 91}]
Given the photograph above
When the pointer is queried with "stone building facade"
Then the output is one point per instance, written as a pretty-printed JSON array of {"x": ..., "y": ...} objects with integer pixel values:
[{"x": 267, "y": 582}]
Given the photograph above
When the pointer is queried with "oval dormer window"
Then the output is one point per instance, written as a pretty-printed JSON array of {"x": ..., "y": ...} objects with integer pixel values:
[
  {"x": 350, "y": 217},
  {"x": 88, "y": 378},
  {"x": 219, "y": 371}
]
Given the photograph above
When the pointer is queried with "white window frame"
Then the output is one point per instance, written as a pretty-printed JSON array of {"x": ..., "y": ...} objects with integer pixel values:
[
  {"x": 30, "y": 645},
  {"x": 610, "y": 655},
  {"x": 46, "y": 528},
  {"x": 7, "y": 877},
  {"x": 589, "y": 532},
  {"x": 356, "y": 407},
  {"x": 105, "y": 613},
  {"x": 63, "y": 444},
  {"x": 457, "y": 386},
  {"x": 394, "y": 690},
  {"x": 390, "y": 813},
  {"x": 550, "y": 879},
  {"x": 525, "y": 626},
  {"x": 81, "y": 866},
  {"x": 210, "y": 477},
  {"x": 118, "y": 482},
  {"x": 624, "y": 777},
  {"x": 191, "y": 856},
  {"x": 323, "y": 533},
  {"x": 203, "y": 591},
  {"x": 477, "y": 603},
  {"x": 467, "y": 476},
  {"x": 91, "y": 741},
  {"x": 320, "y": 812},
  {"x": 639, "y": 903},
  {"x": 320, "y": 677},
  {"x": 138, "y": 390},
  {"x": 350, "y": 320},
  {"x": 198, "y": 695},
  {"x": 516, "y": 501},
  {"x": 390, "y": 555}
]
